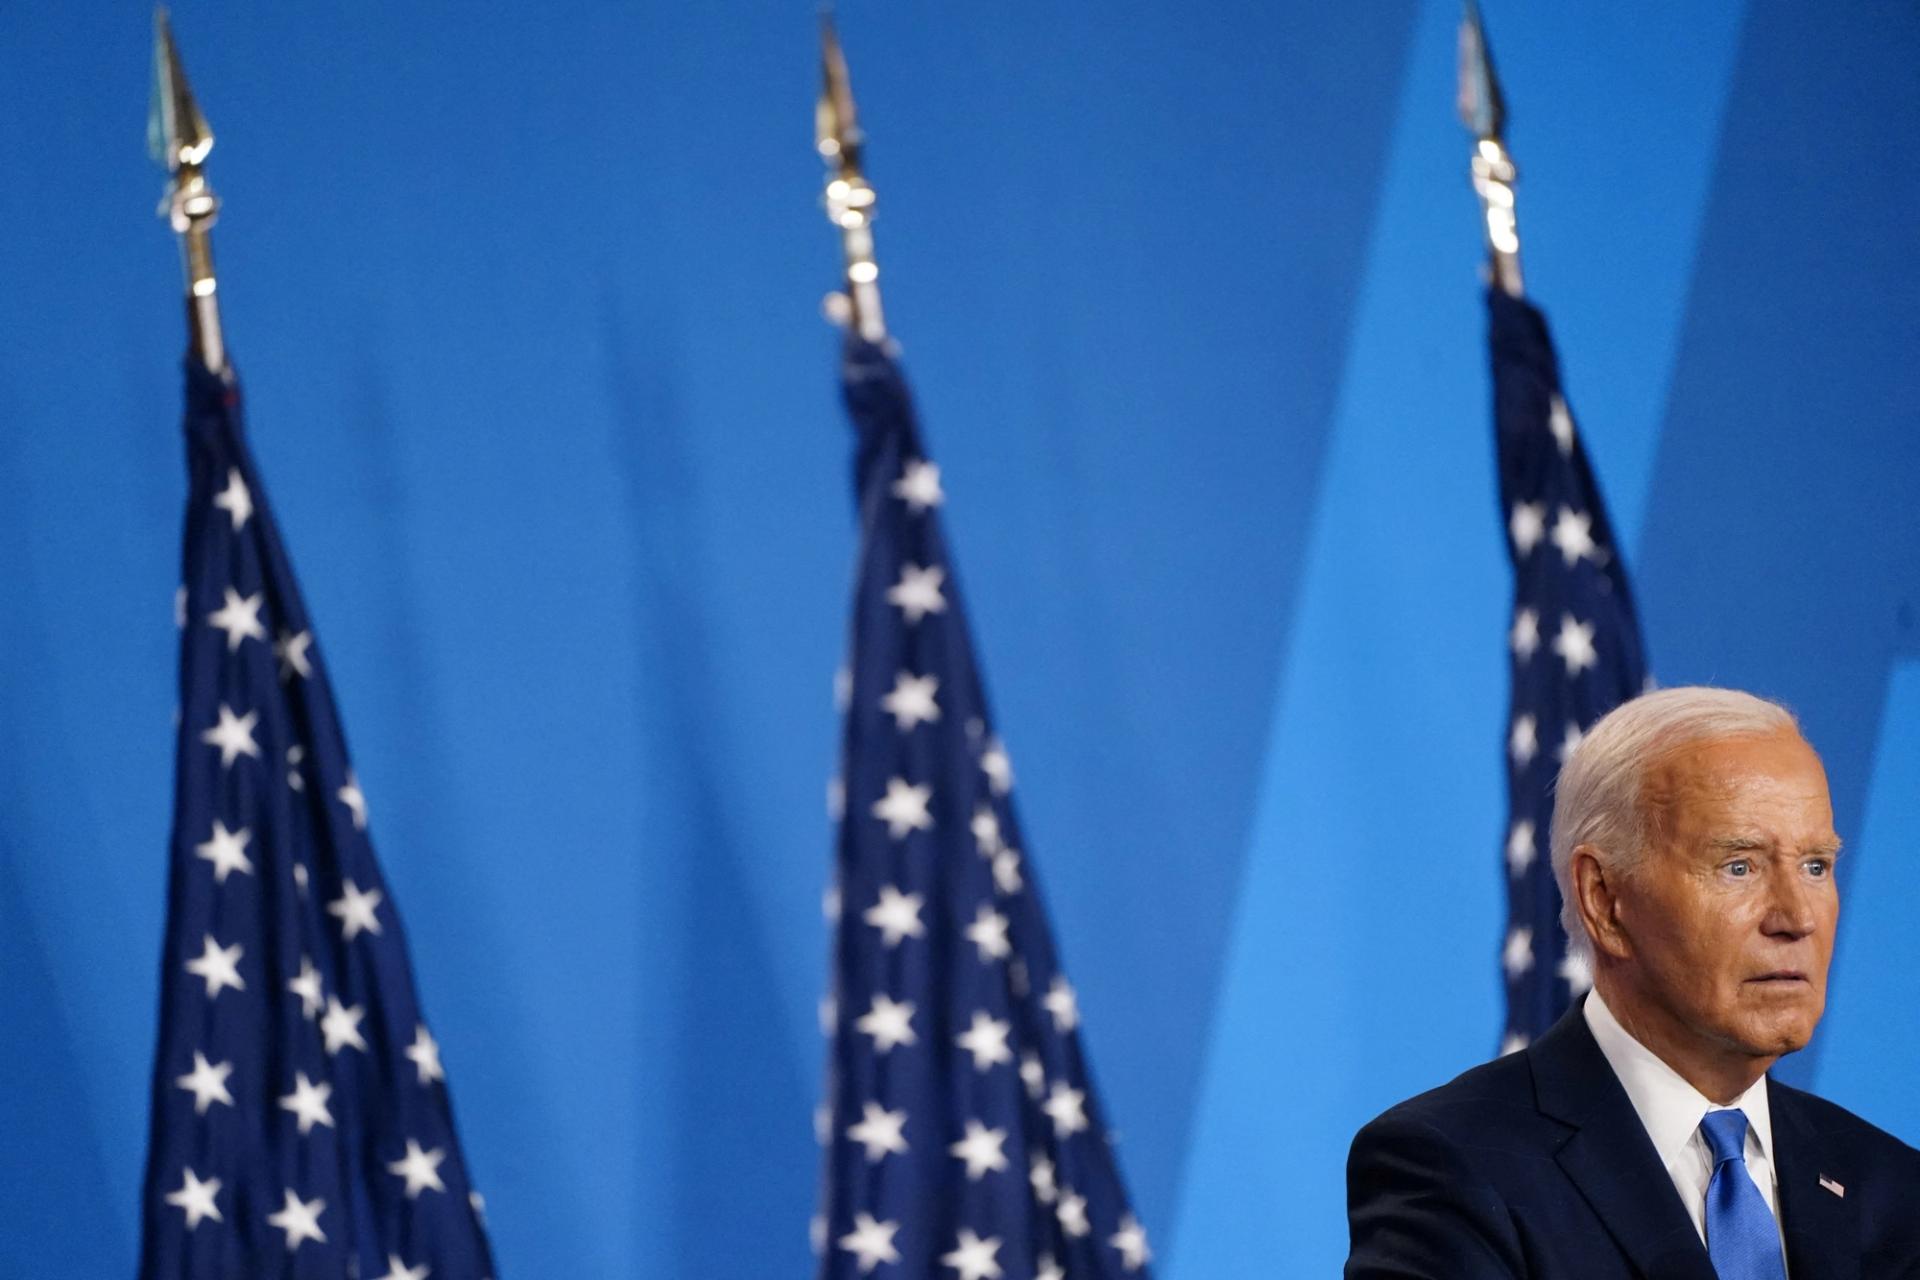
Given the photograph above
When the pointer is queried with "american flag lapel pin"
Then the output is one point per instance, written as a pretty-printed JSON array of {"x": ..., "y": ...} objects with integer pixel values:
[{"x": 1833, "y": 1186}]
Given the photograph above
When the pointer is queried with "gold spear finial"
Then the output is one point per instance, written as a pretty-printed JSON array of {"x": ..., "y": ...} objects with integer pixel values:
[
  {"x": 1484, "y": 111},
  {"x": 178, "y": 137},
  {"x": 849, "y": 197}
]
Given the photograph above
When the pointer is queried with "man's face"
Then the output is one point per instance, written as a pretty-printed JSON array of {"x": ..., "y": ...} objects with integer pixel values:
[{"x": 1731, "y": 913}]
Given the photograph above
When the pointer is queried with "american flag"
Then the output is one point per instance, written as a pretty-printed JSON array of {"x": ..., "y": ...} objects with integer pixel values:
[
  {"x": 301, "y": 1125},
  {"x": 1574, "y": 647},
  {"x": 963, "y": 1138}
]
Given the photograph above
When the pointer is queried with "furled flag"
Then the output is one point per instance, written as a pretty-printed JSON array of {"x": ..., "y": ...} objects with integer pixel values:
[
  {"x": 1574, "y": 646},
  {"x": 963, "y": 1138},
  {"x": 301, "y": 1124}
]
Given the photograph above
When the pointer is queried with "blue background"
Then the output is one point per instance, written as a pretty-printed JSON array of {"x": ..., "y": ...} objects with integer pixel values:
[{"x": 526, "y": 299}]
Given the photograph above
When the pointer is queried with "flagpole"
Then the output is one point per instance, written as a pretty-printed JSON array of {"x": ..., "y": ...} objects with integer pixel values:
[
  {"x": 1484, "y": 111},
  {"x": 178, "y": 137},
  {"x": 849, "y": 197}
]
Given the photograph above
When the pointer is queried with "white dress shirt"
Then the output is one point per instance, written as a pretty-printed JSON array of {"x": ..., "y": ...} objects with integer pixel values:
[{"x": 1671, "y": 1109}]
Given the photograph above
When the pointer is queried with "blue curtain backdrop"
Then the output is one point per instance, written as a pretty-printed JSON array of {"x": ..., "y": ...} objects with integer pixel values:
[{"x": 526, "y": 299}]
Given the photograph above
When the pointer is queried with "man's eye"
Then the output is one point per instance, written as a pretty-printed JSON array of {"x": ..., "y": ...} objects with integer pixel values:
[
  {"x": 1739, "y": 868},
  {"x": 1820, "y": 868}
]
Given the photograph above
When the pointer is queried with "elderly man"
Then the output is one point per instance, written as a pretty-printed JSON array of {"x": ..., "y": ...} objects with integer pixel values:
[{"x": 1640, "y": 1138}]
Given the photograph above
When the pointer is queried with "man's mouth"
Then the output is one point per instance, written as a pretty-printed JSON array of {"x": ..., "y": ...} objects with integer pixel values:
[{"x": 1780, "y": 976}]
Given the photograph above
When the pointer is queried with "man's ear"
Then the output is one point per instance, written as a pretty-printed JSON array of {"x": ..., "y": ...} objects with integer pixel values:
[{"x": 1597, "y": 899}]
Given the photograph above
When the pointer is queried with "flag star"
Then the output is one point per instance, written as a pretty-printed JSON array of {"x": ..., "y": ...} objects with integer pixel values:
[
  {"x": 1521, "y": 847},
  {"x": 352, "y": 797},
  {"x": 1033, "y": 1074},
  {"x": 180, "y": 607},
  {"x": 842, "y": 689},
  {"x": 823, "y": 1124},
  {"x": 1049, "y": 1269},
  {"x": 397, "y": 1270},
  {"x": 1517, "y": 957},
  {"x": 1006, "y": 871},
  {"x": 291, "y": 652},
  {"x": 424, "y": 1053},
  {"x": 871, "y": 1242},
  {"x": 233, "y": 735},
  {"x": 420, "y": 1168},
  {"x": 896, "y": 916},
  {"x": 1514, "y": 1042},
  {"x": 829, "y": 1014},
  {"x": 207, "y": 1083},
  {"x": 889, "y": 1022},
  {"x": 1524, "y": 742},
  {"x": 300, "y": 877},
  {"x": 341, "y": 1026},
  {"x": 220, "y": 966},
  {"x": 830, "y": 903},
  {"x": 1062, "y": 1004},
  {"x": 836, "y": 799},
  {"x": 1131, "y": 1241},
  {"x": 988, "y": 932},
  {"x": 354, "y": 908},
  {"x": 1527, "y": 525},
  {"x": 880, "y": 1131},
  {"x": 995, "y": 763},
  {"x": 1525, "y": 636},
  {"x": 478, "y": 1203},
  {"x": 919, "y": 485},
  {"x": 235, "y": 499},
  {"x": 986, "y": 1040},
  {"x": 1072, "y": 1212},
  {"x": 1574, "y": 644},
  {"x": 295, "y": 754},
  {"x": 300, "y": 1220},
  {"x": 904, "y": 808},
  {"x": 308, "y": 1102},
  {"x": 239, "y": 618},
  {"x": 1573, "y": 534},
  {"x": 1568, "y": 744},
  {"x": 1560, "y": 422},
  {"x": 196, "y": 1198},
  {"x": 912, "y": 701},
  {"x": 973, "y": 1258},
  {"x": 986, "y": 830},
  {"x": 1045, "y": 1189},
  {"x": 981, "y": 1150},
  {"x": 227, "y": 851},
  {"x": 1576, "y": 970},
  {"x": 917, "y": 594},
  {"x": 1066, "y": 1108}
]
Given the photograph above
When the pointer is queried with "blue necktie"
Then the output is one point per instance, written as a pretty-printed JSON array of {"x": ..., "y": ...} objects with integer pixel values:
[{"x": 1742, "y": 1238}]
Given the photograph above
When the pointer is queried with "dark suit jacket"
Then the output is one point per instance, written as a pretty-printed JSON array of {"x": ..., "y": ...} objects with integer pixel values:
[{"x": 1536, "y": 1165}]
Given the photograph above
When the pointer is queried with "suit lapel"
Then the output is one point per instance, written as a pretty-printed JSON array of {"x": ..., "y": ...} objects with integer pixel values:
[
  {"x": 1822, "y": 1229},
  {"x": 1611, "y": 1159}
]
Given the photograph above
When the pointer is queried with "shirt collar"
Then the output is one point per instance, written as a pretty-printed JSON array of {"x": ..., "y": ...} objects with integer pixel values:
[{"x": 1669, "y": 1108}]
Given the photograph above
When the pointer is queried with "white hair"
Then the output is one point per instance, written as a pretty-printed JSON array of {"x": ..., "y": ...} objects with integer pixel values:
[{"x": 1598, "y": 799}]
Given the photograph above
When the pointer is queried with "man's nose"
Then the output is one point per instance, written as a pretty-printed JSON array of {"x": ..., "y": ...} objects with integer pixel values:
[{"x": 1790, "y": 913}]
